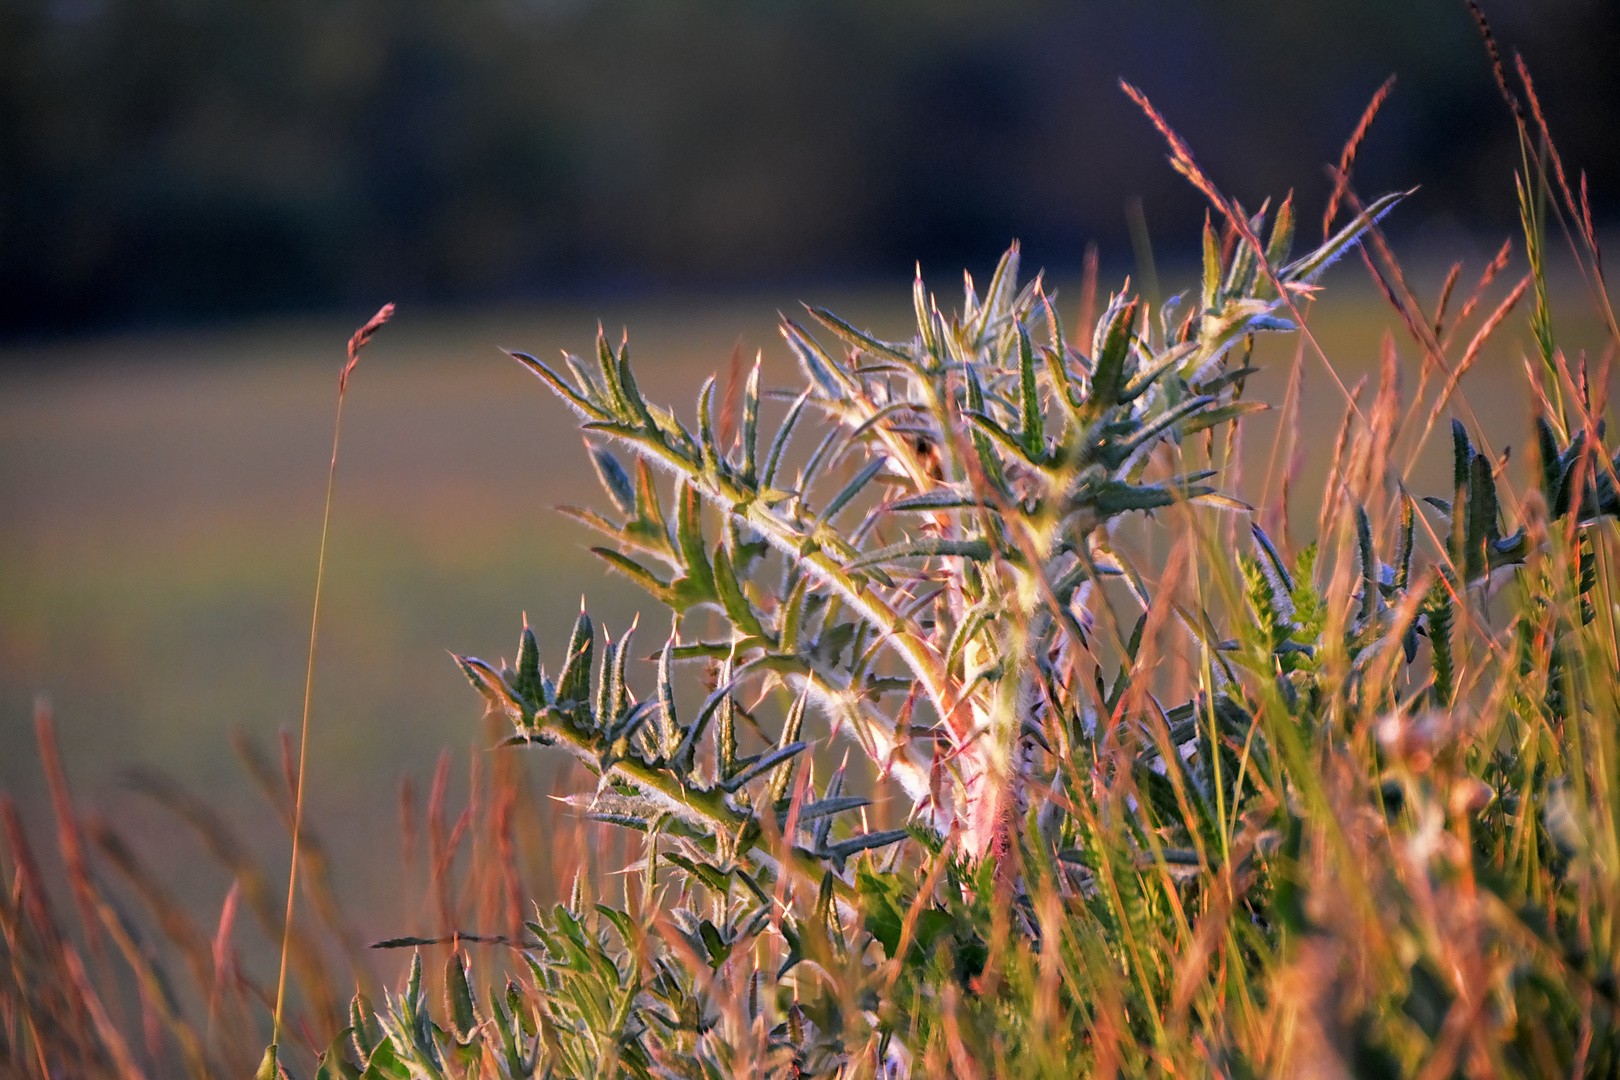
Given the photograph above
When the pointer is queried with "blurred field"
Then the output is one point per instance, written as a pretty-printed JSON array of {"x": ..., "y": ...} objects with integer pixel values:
[{"x": 161, "y": 514}]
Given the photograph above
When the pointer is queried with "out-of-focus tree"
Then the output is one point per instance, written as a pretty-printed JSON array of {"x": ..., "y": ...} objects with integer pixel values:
[{"x": 176, "y": 159}]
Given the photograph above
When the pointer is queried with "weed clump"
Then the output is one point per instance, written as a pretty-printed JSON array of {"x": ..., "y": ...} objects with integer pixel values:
[{"x": 1156, "y": 789}]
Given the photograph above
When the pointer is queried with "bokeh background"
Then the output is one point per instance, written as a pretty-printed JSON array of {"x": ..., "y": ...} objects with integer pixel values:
[
  {"x": 169, "y": 161},
  {"x": 200, "y": 200}
]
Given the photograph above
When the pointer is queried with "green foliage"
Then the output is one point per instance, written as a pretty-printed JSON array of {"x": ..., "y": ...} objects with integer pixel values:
[
  {"x": 1087, "y": 880},
  {"x": 1086, "y": 876},
  {"x": 1169, "y": 802}
]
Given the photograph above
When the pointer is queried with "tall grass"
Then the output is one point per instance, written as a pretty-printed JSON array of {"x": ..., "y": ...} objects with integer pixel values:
[{"x": 1132, "y": 782}]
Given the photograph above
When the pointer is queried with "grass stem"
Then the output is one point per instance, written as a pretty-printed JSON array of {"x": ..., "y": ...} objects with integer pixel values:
[{"x": 361, "y": 337}]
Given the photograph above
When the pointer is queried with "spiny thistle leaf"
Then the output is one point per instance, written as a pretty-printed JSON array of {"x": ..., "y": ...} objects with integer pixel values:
[
  {"x": 750, "y": 431},
  {"x": 627, "y": 384},
  {"x": 852, "y": 489},
  {"x": 574, "y": 681},
  {"x": 784, "y": 434},
  {"x": 459, "y": 1005},
  {"x": 615, "y": 481},
  {"x": 580, "y": 404},
  {"x": 1309, "y": 268},
  {"x": 1110, "y": 349},
  {"x": 923, "y": 547},
  {"x": 781, "y": 755},
  {"x": 1368, "y": 561},
  {"x": 669, "y": 724},
  {"x": 1032, "y": 429},
  {"x": 737, "y": 607},
  {"x": 822, "y": 371},
  {"x": 635, "y": 572},
  {"x": 1438, "y": 612},
  {"x": 689, "y": 541},
  {"x": 777, "y": 786}
]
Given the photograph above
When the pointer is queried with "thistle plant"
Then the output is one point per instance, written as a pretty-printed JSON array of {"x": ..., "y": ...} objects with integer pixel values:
[
  {"x": 1180, "y": 795},
  {"x": 922, "y": 579},
  {"x": 1090, "y": 878},
  {"x": 923, "y": 583}
]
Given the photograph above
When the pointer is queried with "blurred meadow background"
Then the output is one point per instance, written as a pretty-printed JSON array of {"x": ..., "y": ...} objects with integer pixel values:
[{"x": 199, "y": 203}]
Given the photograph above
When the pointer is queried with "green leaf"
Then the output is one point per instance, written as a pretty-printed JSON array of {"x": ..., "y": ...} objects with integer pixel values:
[
  {"x": 488, "y": 682},
  {"x": 725, "y": 726},
  {"x": 1278, "y": 570},
  {"x": 669, "y": 725},
  {"x": 822, "y": 808},
  {"x": 528, "y": 685},
  {"x": 998, "y": 294},
  {"x": 1211, "y": 295},
  {"x": 1057, "y": 370},
  {"x": 458, "y": 999},
  {"x": 822, "y": 371},
  {"x": 776, "y": 789},
  {"x": 635, "y": 572},
  {"x": 1403, "y": 565},
  {"x": 1369, "y": 565},
  {"x": 618, "y": 688},
  {"x": 765, "y": 764},
  {"x": 793, "y": 615},
  {"x": 1118, "y": 455},
  {"x": 385, "y": 1064},
  {"x": 1311, "y": 266},
  {"x": 632, "y": 395},
  {"x": 1033, "y": 431},
  {"x": 1225, "y": 379},
  {"x": 924, "y": 546},
  {"x": 574, "y": 683},
  {"x": 750, "y": 432},
  {"x": 865, "y": 841},
  {"x": 1169, "y": 360},
  {"x": 605, "y": 690},
  {"x": 580, "y": 405},
  {"x": 880, "y": 913},
  {"x": 1438, "y": 611},
  {"x": 1482, "y": 526},
  {"x": 649, "y": 528},
  {"x": 828, "y": 449},
  {"x": 860, "y": 339},
  {"x": 365, "y": 1030},
  {"x": 689, "y": 538},
  {"x": 738, "y": 609},
  {"x": 588, "y": 386},
  {"x": 851, "y": 489},
  {"x": 1211, "y": 417},
  {"x": 332, "y": 1064},
  {"x": 1246, "y": 263},
  {"x": 718, "y": 949},
  {"x": 1112, "y": 347},
  {"x": 983, "y": 423},
  {"x": 773, "y": 460},
  {"x": 1278, "y": 247},
  {"x": 938, "y": 499},
  {"x": 1547, "y": 444},
  {"x": 682, "y": 758},
  {"x": 1462, "y": 456},
  {"x": 925, "y": 322},
  {"x": 706, "y": 440},
  {"x": 614, "y": 479},
  {"x": 609, "y": 365},
  {"x": 708, "y": 874},
  {"x": 1114, "y": 497},
  {"x": 989, "y": 463}
]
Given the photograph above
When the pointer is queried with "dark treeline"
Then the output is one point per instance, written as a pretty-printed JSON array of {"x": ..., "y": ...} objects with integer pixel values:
[{"x": 170, "y": 160}]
